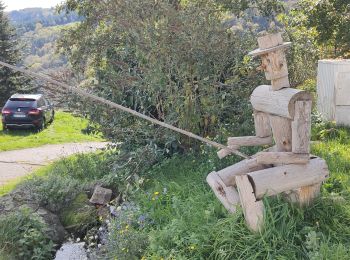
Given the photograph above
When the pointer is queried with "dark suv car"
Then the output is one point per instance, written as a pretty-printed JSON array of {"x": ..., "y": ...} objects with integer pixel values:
[{"x": 25, "y": 111}]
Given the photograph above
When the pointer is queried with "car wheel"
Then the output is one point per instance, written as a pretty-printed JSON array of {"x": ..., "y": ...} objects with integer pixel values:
[
  {"x": 52, "y": 117},
  {"x": 42, "y": 124}
]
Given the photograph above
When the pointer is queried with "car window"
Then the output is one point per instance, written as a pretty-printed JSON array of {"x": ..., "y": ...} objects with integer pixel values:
[
  {"x": 14, "y": 103},
  {"x": 41, "y": 102}
]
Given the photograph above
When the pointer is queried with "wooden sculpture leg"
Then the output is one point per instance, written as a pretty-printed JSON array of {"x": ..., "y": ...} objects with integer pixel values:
[
  {"x": 253, "y": 210},
  {"x": 304, "y": 195},
  {"x": 228, "y": 195}
]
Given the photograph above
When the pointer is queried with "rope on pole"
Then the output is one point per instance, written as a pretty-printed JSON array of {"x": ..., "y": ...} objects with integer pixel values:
[{"x": 83, "y": 93}]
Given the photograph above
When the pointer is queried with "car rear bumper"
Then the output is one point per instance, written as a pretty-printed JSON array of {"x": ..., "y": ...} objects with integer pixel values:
[{"x": 26, "y": 125}]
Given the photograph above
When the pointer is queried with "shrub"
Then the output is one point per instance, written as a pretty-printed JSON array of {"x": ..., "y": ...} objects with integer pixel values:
[{"x": 22, "y": 236}]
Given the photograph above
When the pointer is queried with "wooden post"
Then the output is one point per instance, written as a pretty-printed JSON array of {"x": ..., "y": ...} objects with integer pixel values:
[
  {"x": 304, "y": 195},
  {"x": 282, "y": 133},
  {"x": 301, "y": 127},
  {"x": 262, "y": 124},
  {"x": 253, "y": 210}
]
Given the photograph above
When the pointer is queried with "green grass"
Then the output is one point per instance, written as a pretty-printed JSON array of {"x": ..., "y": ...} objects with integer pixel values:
[
  {"x": 177, "y": 216},
  {"x": 11, "y": 185},
  {"x": 186, "y": 221},
  {"x": 66, "y": 128}
]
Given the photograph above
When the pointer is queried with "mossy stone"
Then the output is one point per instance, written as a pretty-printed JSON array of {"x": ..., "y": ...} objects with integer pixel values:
[{"x": 79, "y": 215}]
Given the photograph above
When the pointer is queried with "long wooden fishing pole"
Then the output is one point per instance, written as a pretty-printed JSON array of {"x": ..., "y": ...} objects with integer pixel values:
[{"x": 83, "y": 93}]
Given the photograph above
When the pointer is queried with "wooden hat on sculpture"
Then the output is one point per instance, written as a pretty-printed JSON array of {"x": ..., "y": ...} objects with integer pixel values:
[{"x": 274, "y": 63}]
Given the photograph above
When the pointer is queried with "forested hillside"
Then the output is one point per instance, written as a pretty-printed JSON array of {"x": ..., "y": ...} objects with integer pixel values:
[
  {"x": 38, "y": 30},
  {"x": 25, "y": 20},
  {"x": 40, "y": 52}
]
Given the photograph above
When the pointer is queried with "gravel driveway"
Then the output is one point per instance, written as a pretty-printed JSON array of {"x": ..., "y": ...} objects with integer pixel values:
[{"x": 17, "y": 163}]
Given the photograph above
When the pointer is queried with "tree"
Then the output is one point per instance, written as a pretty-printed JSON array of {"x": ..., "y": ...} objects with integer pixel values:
[
  {"x": 176, "y": 61},
  {"x": 331, "y": 20},
  {"x": 10, "y": 81}
]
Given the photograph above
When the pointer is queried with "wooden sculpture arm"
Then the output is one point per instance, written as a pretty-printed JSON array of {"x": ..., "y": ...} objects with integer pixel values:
[
  {"x": 236, "y": 142},
  {"x": 249, "y": 141}
]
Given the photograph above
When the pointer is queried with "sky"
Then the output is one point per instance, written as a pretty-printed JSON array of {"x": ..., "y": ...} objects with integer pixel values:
[{"x": 21, "y": 4}]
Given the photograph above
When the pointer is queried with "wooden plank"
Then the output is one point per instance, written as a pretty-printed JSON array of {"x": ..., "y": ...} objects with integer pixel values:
[
  {"x": 270, "y": 40},
  {"x": 282, "y": 133},
  {"x": 280, "y": 102},
  {"x": 278, "y": 179},
  {"x": 227, "y": 195},
  {"x": 282, "y": 158},
  {"x": 249, "y": 141},
  {"x": 301, "y": 127},
  {"x": 342, "y": 115},
  {"x": 342, "y": 89},
  {"x": 228, "y": 174},
  {"x": 326, "y": 85},
  {"x": 253, "y": 210},
  {"x": 262, "y": 124}
]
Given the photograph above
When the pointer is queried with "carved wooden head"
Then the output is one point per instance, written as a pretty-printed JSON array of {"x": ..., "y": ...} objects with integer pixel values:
[{"x": 274, "y": 62}]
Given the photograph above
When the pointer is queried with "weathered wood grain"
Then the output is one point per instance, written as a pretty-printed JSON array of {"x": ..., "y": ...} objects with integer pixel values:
[
  {"x": 282, "y": 133},
  {"x": 301, "y": 127},
  {"x": 262, "y": 124},
  {"x": 279, "y": 102},
  {"x": 227, "y": 195},
  {"x": 249, "y": 141},
  {"x": 253, "y": 210},
  {"x": 282, "y": 158},
  {"x": 278, "y": 179},
  {"x": 228, "y": 174}
]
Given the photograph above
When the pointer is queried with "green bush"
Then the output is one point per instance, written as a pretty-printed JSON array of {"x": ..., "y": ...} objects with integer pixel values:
[{"x": 22, "y": 236}]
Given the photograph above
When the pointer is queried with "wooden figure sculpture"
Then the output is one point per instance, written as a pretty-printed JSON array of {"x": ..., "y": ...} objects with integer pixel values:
[{"x": 282, "y": 116}]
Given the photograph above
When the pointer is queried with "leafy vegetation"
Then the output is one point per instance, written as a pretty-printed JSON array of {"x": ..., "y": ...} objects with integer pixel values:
[
  {"x": 40, "y": 51},
  {"x": 172, "y": 213},
  {"x": 10, "y": 81},
  {"x": 22, "y": 236},
  {"x": 183, "y": 220}
]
